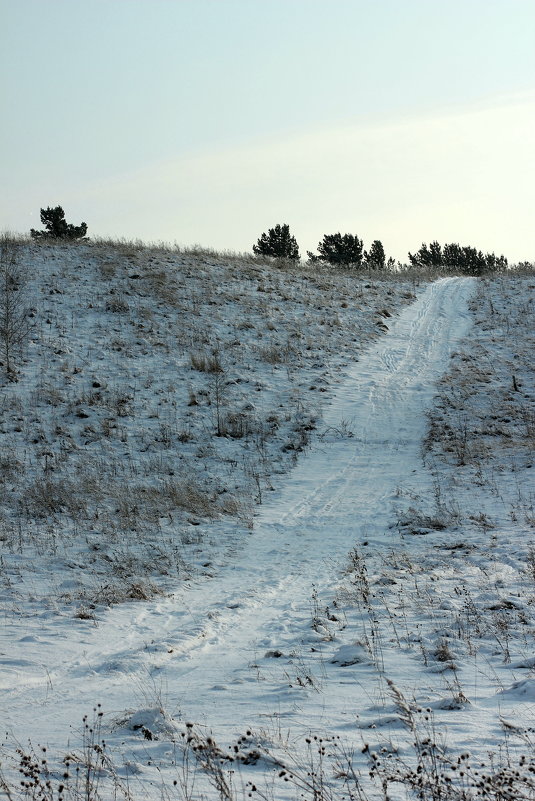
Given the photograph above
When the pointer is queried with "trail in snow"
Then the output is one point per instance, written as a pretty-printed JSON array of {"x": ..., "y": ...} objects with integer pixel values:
[{"x": 200, "y": 643}]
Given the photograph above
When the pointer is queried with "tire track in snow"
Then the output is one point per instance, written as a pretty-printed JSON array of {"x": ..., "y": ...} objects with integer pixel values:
[
  {"x": 384, "y": 407},
  {"x": 295, "y": 537},
  {"x": 342, "y": 488}
]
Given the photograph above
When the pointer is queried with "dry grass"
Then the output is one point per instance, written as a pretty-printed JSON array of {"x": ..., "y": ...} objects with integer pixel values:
[{"x": 314, "y": 768}]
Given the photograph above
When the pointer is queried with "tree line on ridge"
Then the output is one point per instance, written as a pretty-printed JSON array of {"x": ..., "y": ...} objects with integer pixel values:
[{"x": 336, "y": 249}]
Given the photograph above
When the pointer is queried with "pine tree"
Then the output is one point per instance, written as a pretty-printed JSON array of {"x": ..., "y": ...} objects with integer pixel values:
[
  {"x": 338, "y": 249},
  {"x": 427, "y": 256},
  {"x": 56, "y": 226},
  {"x": 452, "y": 255},
  {"x": 277, "y": 242},
  {"x": 462, "y": 258},
  {"x": 376, "y": 257}
]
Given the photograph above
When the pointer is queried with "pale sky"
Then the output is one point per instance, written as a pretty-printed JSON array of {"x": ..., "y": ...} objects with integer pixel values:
[{"x": 209, "y": 121}]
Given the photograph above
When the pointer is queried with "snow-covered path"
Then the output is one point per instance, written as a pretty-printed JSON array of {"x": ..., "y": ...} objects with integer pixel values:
[{"x": 204, "y": 648}]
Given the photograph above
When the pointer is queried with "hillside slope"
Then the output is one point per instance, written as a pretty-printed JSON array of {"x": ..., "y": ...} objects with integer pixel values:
[
  {"x": 380, "y": 597},
  {"x": 160, "y": 392}
]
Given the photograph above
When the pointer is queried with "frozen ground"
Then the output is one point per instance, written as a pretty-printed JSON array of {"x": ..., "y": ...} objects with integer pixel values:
[{"x": 383, "y": 591}]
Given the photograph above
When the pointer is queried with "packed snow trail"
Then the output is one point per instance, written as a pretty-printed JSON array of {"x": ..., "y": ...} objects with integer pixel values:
[{"x": 203, "y": 644}]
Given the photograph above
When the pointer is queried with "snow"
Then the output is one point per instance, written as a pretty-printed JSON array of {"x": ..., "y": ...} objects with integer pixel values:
[{"x": 386, "y": 571}]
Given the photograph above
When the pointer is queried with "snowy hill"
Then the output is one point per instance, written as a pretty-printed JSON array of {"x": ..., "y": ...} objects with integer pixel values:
[
  {"x": 159, "y": 392},
  {"x": 264, "y": 504}
]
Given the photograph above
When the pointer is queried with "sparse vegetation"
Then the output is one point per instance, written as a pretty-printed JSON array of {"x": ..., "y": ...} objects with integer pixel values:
[
  {"x": 162, "y": 396},
  {"x": 318, "y": 768}
]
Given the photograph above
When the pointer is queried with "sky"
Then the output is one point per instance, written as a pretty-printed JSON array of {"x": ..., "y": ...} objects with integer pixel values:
[{"x": 206, "y": 122}]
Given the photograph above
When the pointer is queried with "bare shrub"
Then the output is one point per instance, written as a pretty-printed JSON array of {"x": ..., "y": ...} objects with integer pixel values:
[
  {"x": 10, "y": 466},
  {"x": 16, "y": 315},
  {"x": 117, "y": 305},
  {"x": 530, "y": 562},
  {"x": 236, "y": 425},
  {"x": 190, "y": 496},
  {"x": 48, "y": 496},
  {"x": 442, "y": 652},
  {"x": 115, "y": 592},
  {"x": 275, "y": 354},
  {"x": 206, "y": 362}
]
